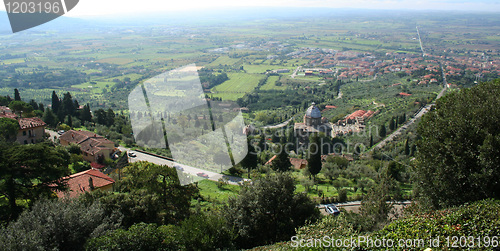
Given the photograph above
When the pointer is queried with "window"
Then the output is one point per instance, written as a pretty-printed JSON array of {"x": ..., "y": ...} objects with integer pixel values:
[
  {"x": 25, "y": 142},
  {"x": 24, "y": 133}
]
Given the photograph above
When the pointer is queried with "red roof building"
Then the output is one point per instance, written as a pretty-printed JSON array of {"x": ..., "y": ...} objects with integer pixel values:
[
  {"x": 86, "y": 181},
  {"x": 359, "y": 114},
  {"x": 91, "y": 144},
  {"x": 31, "y": 130}
]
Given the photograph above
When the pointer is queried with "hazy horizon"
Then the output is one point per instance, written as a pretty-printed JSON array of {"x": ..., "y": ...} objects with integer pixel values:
[{"x": 113, "y": 8}]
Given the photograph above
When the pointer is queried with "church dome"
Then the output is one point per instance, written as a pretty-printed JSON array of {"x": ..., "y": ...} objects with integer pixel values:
[{"x": 313, "y": 111}]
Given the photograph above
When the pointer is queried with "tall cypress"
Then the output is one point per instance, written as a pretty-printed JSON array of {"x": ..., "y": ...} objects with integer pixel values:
[
  {"x": 56, "y": 103},
  {"x": 383, "y": 131},
  {"x": 407, "y": 147},
  {"x": 67, "y": 104},
  {"x": 17, "y": 96},
  {"x": 314, "y": 161},
  {"x": 86, "y": 115}
]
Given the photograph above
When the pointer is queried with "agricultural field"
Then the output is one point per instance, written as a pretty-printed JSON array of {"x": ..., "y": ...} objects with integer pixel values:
[
  {"x": 271, "y": 84},
  {"x": 237, "y": 86},
  {"x": 224, "y": 60}
]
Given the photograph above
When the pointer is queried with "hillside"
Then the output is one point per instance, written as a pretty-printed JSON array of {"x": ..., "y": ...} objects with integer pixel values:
[{"x": 474, "y": 226}]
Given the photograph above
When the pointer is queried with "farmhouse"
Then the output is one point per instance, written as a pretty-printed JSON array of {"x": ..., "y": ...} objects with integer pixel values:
[
  {"x": 354, "y": 122},
  {"x": 86, "y": 181},
  {"x": 297, "y": 164},
  {"x": 403, "y": 94},
  {"x": 31, "y": 130},
  {"x": 280, "y": 71},
  {"x": 93, "y": 146}
]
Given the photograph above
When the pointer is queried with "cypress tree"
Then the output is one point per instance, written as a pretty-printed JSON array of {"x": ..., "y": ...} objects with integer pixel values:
[
  {"x": 250, "y": 160},
  {"x": 407, "y": 147},
  {"x": 383, "y": 131},
  {"x": 281, "y": 162},
  {"x": 392, "y": 126},
  {"x": 69, "y": 121},
  {"x": 314, "y": 161},
  {"x": 17, "y": 96},
  {"x": 86, "y": 115},
  {"x": 55, "y": 102},
  {"x": 68, "y": 107}
]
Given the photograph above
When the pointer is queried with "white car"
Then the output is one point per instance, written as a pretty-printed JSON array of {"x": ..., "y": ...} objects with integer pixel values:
[{"x": 332, "y": 209}]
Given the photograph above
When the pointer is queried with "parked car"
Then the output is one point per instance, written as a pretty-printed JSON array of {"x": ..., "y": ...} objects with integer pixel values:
[
  {"x": 178, "y": 167},
  {"x": 204, "y": 175},
  {"x": 332, "y": 209},
  {"x": 61, "y": 132},
  {"x": 132, "y": 154}
]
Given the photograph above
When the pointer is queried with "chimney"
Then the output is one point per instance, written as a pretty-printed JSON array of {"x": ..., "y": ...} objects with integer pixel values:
[{"x": 91, "y": 184}]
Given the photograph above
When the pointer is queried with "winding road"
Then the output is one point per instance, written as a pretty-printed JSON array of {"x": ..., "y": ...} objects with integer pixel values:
[
  {"x": 422, "y": 111},
  {"x": 193, "y": 171}
]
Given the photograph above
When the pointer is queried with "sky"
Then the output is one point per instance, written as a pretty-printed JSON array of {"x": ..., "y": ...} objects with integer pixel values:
[{"x": 117, "y": 7}]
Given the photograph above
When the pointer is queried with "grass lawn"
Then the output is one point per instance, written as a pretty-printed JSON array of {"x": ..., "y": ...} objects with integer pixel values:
[
  {"x": 253, "y": 68},
  {"x": 224, "y": 60},
  {"x": 271, "y": 84},
  {"x": 237, "y": 85},
  {"x": 97, "y": 88},
  {"x": 210, "y": 191}
]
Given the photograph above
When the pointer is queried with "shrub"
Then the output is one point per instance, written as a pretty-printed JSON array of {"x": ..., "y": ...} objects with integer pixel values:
[
  {"x": 57, "y": 225},
  {"x": 269, "y": 210},
  {"x": 140, "y": 236},
  {"x": 343, "y": 195}
]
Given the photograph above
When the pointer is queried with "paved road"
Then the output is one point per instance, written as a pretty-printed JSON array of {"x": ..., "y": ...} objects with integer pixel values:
[
  {"x": 295, "y": 72},
  {"x": 187, "y": 169},
  {"x": 420, "y": 40},
  {"x": 402, "y": 128},
  {"x": 160, "y": 161},
  {"x": 354, "y": 206},
  {"x": 423, "y": 111},
  {"x": 52, "y": 134},
  {"x": 369, "y": 80}
]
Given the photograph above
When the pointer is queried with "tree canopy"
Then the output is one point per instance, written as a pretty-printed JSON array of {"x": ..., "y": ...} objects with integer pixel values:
[
  {"x": 8, "y": 129},
  {"x": 269, "y": 210},
  {"x": 314, "y": 163},
  {"x": 30, "y": 171},
  {"x": 459, "y": 152}
]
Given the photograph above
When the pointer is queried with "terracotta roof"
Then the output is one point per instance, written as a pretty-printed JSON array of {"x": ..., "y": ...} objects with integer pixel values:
[
  {"x": 298, "y": 163},
  {"x": 24, "y": 123},
  {"x": 97, "y": 166},
  {"x": 404, "y": 94},
  {"x": 27, "y": 123},
  {"x": 89, "y": 142},
  {"x": 270, "y": 160},
  {"x": 79, "y": 183},
  {"x": 5, "y": 109},
  {"x": 94, "y": 145},
  {"x": 5, "y": 112},
  {"x": 78, "y": 137},
  {"x": 360, "y": 113}
]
